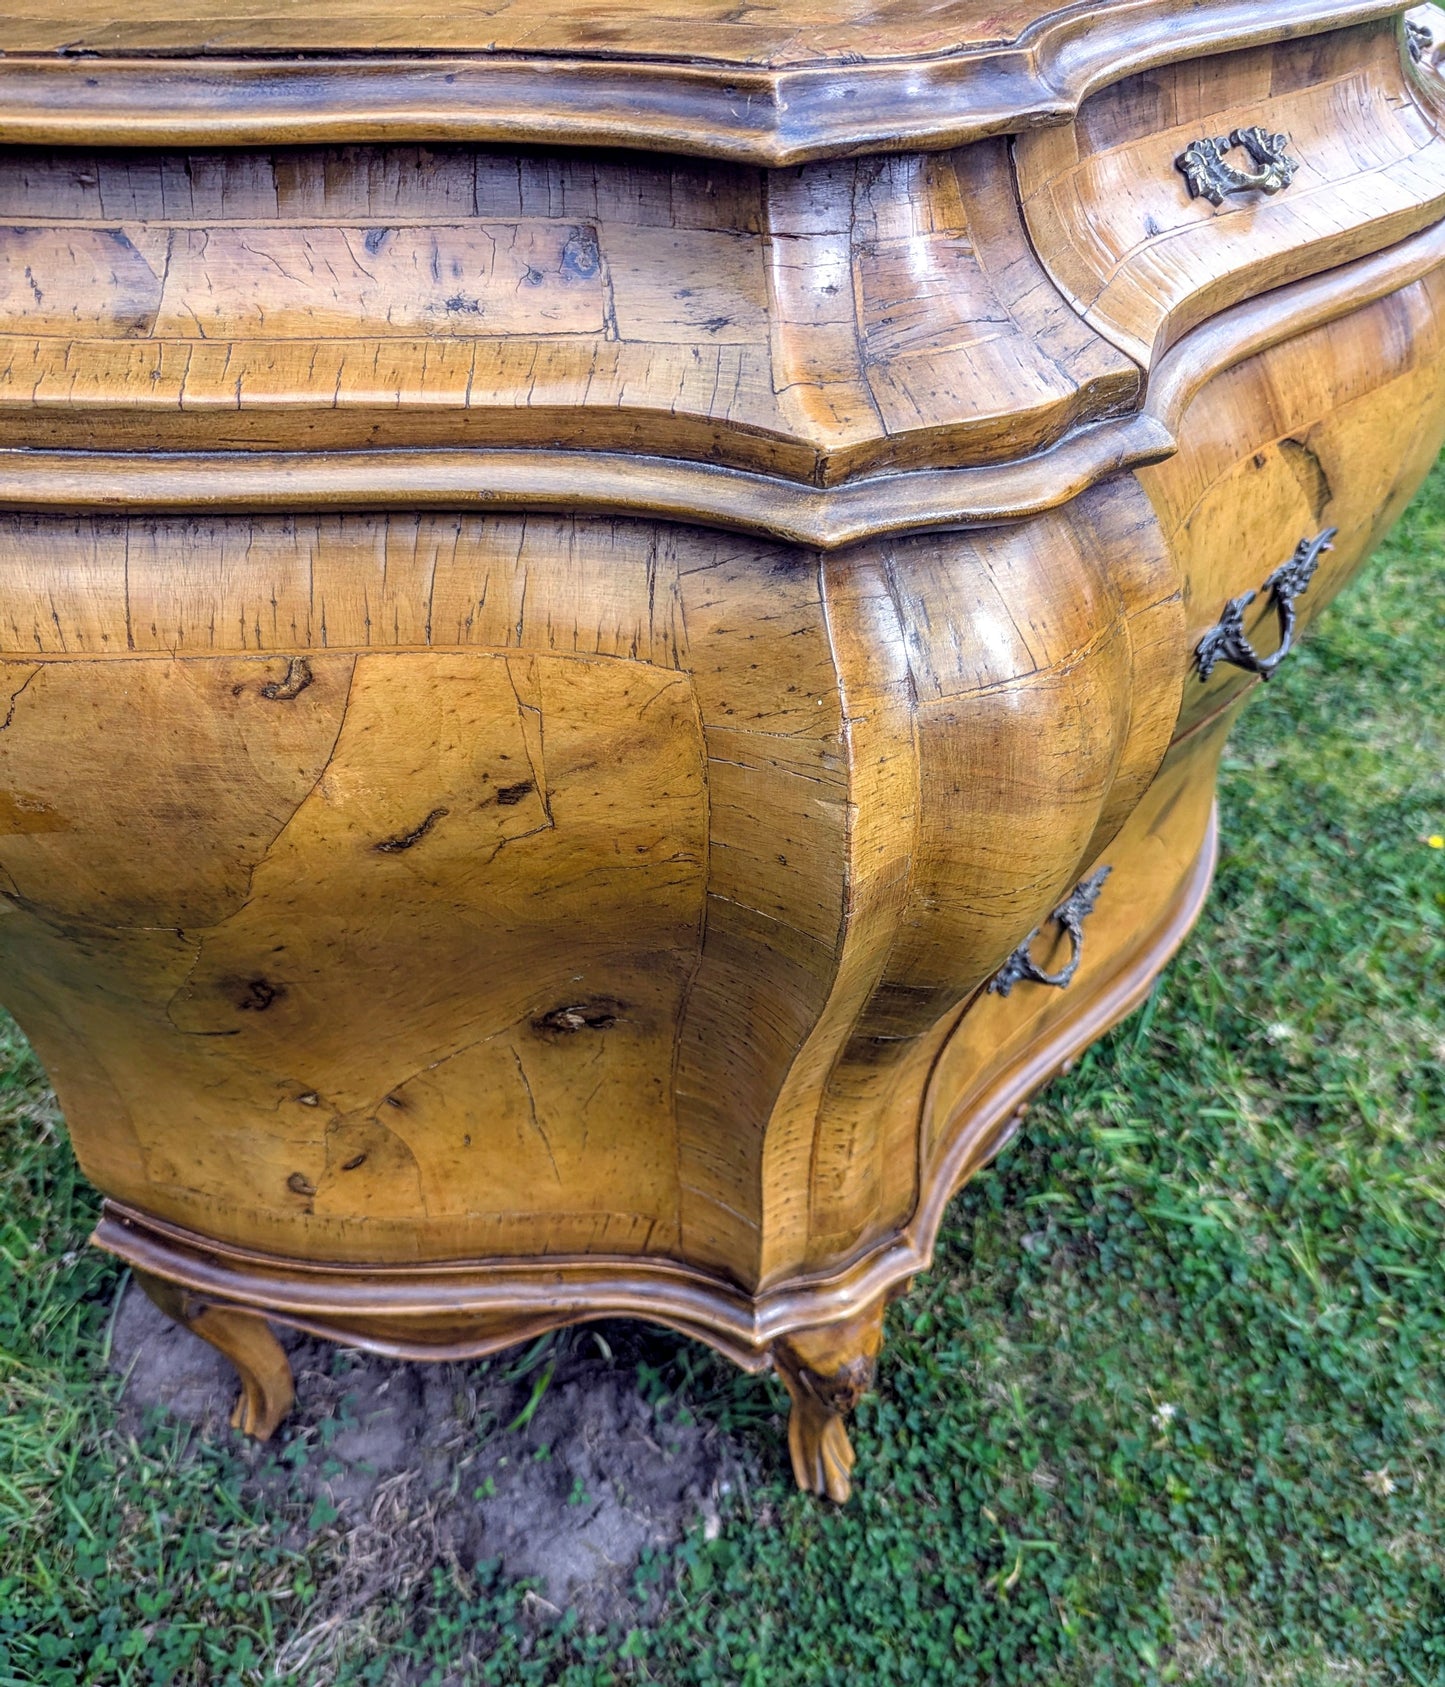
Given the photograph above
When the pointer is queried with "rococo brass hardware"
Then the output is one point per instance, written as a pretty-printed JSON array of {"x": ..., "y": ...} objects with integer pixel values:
[
  {"x": 1210, "y": 177},
  {"x": 1227, "y": 643},
  {"x": 1070, "y": 916}
]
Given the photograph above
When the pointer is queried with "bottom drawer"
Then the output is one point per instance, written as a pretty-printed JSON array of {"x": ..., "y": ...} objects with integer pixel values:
[{"x": 1005, "y": 1046}]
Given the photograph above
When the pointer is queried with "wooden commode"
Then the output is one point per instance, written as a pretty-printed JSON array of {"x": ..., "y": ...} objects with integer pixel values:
[{"x": 616, "y": 622}]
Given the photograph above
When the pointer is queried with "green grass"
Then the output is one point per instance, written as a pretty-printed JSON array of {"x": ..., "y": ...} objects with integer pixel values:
[{"x": 1233, "y": 1208}]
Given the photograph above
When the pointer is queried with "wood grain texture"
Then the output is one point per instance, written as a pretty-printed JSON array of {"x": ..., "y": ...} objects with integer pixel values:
[
  {"x": 827, "y": 518},
  {"x": 819, "y": 323},
  {"x": 836, "y": 718},
  {"x": 798, "y": 32},
  {"x": 1144, "y": 262},
  {"x": 454, "y": 1311},
  {"x": 1336, "y": 427},
  {"x": 774, "y": 88},
  {"x": 540, "y": 691},
  {"x": 1155, "y": 882},
  {"x": 592, "y": 825},
  {"x": 1032, "y": 736}
]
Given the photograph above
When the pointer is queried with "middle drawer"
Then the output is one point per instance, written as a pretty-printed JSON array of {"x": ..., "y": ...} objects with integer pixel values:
[{"x": 1334, "y": 428}]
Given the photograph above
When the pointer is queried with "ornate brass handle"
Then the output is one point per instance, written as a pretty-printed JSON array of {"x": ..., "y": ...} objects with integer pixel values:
[
  {"x": 1210, "y": 177},
  {"x": 1227, "y": 643},
  {"x": 1070, "y": 916}
]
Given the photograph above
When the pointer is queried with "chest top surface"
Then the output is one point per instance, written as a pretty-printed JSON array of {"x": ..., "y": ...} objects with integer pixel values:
[
  {"x": 770, "y": 84},
  {"x": 795, "y": 32}
]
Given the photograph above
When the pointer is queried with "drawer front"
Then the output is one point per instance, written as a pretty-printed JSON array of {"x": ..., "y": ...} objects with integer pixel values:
[
  {"x": 1144, "y": 259},
  {"x": 1007, "y": 1044},
  {"x": 845, "y": 317},
  {"x": 1334, "y": 428}
]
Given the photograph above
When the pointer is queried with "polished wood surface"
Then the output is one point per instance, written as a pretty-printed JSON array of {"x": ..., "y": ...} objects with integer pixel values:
[
  {"x": 1144, "y": 262},
  {"x": 798, "y": 32},
  {"x": 840, "y": 319},
  {"x": 775, "y": 86},
  {"x": 485, "y": 734},
  {"x": 553, "y": 704},
  {"x": 1332, "y": 428}
]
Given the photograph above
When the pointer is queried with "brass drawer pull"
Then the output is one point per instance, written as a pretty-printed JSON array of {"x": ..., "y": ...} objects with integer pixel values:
[
  {"x": 1070, "y": 915},
  {"x": 1210, "y": 177},
  {"x": 1227, "y": 643}
]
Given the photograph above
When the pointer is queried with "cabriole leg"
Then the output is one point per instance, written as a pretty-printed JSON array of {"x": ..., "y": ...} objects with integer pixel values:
[
  {"x": 827, "y": 1370},
  {"x": 267, "y": 1391}
]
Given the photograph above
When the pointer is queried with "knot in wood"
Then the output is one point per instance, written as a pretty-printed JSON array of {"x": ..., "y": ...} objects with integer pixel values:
[{"x": 582, "y": 1016}]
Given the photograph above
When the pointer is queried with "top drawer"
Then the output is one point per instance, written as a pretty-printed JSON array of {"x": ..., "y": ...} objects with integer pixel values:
[{"x": 1144, "y": 261}]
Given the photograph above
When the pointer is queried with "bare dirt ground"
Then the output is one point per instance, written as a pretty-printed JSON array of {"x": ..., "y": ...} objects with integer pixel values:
[{"x": 550, "y": 1459}]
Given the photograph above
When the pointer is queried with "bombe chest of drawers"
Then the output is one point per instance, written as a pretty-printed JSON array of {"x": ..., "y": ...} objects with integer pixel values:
[{"x": 616, "y": 622}]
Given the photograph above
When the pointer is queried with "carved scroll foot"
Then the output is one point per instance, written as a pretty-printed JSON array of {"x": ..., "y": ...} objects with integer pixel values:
[
  {"x": 827, "y": 1371},
  {"x": 267, "y": 1391}
]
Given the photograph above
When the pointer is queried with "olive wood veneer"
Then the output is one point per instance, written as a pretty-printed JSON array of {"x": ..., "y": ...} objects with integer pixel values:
[{"x": 581, "y": 726}]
